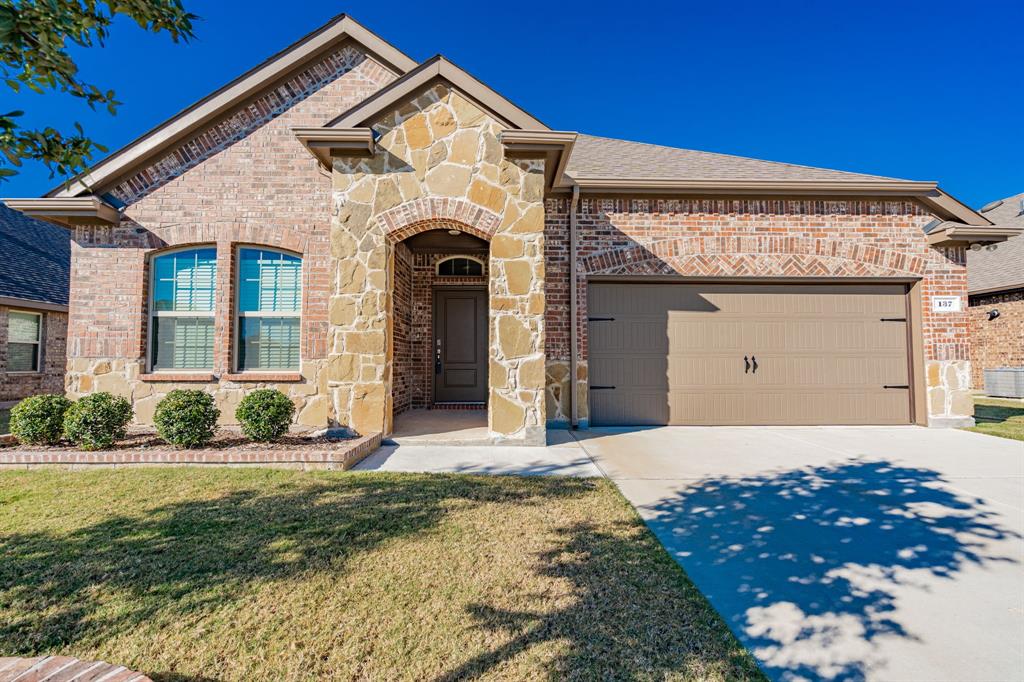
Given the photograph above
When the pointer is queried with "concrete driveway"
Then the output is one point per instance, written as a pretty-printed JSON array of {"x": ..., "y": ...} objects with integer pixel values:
[{"x": 842, "y": 552}]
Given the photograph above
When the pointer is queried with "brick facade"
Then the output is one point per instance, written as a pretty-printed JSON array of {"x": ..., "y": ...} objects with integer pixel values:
[
  {"x": 246, "y": 181},
  {"x": 998, "y": 342},
  {"x": 752, "y": 238},
  {"x": 438, "y": 164},
  {"x": 17, "y": 385},
  {"x": 416, "y": 280}
]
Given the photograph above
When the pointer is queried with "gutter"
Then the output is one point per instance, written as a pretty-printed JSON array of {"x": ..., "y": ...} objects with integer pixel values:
[
  {"x": 573, "y": 304},
  {"x": 32, "y": 304}
]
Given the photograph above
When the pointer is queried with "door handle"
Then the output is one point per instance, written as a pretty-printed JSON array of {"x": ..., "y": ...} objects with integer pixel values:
[
  {"x": 746, "y": 363},
  {"x": 437, "y": 358},
  {"x": 754, "y": 360}
]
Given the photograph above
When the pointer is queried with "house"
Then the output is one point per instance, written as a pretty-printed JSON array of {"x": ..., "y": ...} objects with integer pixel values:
[
  {"x": 35, "y": 261},
  {"x": 373, "y": 235},
  {"x": 995, "y": 285}
]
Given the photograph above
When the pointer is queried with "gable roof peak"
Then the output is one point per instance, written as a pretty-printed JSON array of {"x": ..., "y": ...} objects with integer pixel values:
[
  {"x": 436, "y": 68},
  {"x": 214, "y": 106}
]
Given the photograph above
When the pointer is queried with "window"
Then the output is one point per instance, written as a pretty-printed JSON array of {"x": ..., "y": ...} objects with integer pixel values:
[
  {"x": 269, "y": 301},
  {"x": 460, "y": 267},
  {"x": 24, "y": 334},
  {"x": 181, "y": 310}
]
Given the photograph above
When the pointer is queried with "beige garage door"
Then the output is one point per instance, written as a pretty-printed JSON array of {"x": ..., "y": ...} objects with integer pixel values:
[{"x": 748, "y": 354}]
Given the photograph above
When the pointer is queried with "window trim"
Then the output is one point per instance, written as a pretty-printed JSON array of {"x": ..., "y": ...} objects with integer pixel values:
[
  {"x": 237, "y": 314},
  {"x": 152, "y": 313},
  {"x": 483, "y": 265},
  {"x": 38, "y": 342}
]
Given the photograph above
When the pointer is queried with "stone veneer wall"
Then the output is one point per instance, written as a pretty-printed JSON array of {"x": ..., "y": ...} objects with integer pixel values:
[
  {"x": 245, "y": 180},
  {"x": 50, "y": 379},
  {"x": 998, "y": 342},
  {"x": 756, "y": 238},
  {"x": 439, "y": 164}
]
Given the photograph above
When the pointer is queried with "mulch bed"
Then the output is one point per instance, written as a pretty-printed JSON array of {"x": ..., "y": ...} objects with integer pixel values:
[{"x": 224, "y": 439}]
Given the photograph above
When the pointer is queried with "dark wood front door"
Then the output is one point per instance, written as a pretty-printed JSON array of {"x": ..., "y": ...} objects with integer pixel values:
[{"x": 460, "y": 345}]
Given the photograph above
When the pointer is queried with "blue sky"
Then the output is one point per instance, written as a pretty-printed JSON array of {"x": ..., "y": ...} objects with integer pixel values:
[{"x": 918, "y": 90}]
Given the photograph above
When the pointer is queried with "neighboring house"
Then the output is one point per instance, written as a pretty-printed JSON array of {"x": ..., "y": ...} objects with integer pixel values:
[
  {"x": 371, "y": 235},
  {"x": 995, "y": 282},
  {"x": 35, "y": 260}
]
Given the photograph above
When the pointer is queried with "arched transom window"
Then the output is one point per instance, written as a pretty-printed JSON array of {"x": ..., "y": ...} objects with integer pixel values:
[{"x": 460, "y": 266}]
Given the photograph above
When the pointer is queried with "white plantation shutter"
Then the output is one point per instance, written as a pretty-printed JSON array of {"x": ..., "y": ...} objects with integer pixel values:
[
  {"x": 269, "y": 304},
  {"x": 182, "y": 306},
  {"x": 24, "y": 334}
]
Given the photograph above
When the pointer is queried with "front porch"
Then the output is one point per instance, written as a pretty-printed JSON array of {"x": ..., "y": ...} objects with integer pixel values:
[
  {"x": 441, "y": 427},
  {"x": 439, "y": 261}
]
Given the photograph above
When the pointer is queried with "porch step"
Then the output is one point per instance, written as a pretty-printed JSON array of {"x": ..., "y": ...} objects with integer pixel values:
[{"x": 458, "y": 406}]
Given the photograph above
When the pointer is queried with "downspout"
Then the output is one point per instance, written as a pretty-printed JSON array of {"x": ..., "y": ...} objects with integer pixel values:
[{"x": 573, "y": 304}]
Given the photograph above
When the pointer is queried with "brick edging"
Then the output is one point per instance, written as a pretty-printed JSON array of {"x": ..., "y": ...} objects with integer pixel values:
[{"x": 345, "y": 456}]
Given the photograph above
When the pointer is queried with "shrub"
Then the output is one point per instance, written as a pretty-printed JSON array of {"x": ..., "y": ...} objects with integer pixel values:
[
  {"x": 186, "y": 419},
  {"x": 39, "y": 420},
  {"x": 97, "y": 420},
  {"x": 265, "y": 414}
]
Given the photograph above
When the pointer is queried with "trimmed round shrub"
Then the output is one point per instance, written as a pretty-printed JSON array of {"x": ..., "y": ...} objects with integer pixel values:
[
  {"x": 186, "y": 419},
  {"x": 265, "y": 414},
  {"x": 97, "y": 420},
  {"x": 39, "y": 420}
]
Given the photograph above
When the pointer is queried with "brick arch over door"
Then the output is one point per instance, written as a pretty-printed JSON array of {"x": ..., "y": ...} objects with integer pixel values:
[
  {"x": 432, "y": 213},
  {"x": 754, "y": 256}
]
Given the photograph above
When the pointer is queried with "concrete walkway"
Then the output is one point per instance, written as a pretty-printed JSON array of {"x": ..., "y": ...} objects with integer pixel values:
[
  {"x": 562, "y": 457},
  {"x": 843, "y": 552}
]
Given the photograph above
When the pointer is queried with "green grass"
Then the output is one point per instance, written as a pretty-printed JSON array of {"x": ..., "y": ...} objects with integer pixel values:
[
  {"x": 1003, "y": 418},
  {"x": 257, "y": 574}
]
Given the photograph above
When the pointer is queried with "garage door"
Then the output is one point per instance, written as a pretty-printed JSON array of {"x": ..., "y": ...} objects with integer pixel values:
[{"x": 748, "y": 354}]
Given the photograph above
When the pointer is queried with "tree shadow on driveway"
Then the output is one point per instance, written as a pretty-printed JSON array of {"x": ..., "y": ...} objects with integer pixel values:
[{"x": 807, "y": 565}]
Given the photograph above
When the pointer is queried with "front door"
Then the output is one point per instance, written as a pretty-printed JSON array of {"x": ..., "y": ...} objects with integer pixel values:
[{"x": 460, "y": 345}]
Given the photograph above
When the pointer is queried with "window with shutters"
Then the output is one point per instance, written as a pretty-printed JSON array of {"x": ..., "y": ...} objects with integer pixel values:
[
  {"x": 24, "y": 341},
  {"x": 181, "y": 309},
  {"x": 269, "y": 300}
]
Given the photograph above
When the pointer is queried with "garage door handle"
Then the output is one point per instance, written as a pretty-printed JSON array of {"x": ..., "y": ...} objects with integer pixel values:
[
  {"x": 602, "y": 388},
  {"x": 896, "y": 386},
  {"x": 754, "y": 360},
  {"x": 746, "y": 363}
]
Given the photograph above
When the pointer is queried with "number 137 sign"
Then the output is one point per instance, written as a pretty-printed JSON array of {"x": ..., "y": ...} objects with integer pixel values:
[{"x": 946, "y": 304}]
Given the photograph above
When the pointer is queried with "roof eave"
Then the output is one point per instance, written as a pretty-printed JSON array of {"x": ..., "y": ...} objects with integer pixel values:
[
  {"x": 216, "y": 104},
  {"x": 554, "y": 145},
  {"x": 67, "y": 212},
  {"x": 32, "y": 304},
  {"x": 997, "y": 289},
  {"x": 953, "y": 234},
  {"x": 795, "y": 187},
  {"x": 325, "y": 143}
]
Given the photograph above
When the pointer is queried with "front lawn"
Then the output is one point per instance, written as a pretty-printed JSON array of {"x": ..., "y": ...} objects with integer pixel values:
[
  {"x": 257, "y": 574},
  {"x": 996, "y": 417}
]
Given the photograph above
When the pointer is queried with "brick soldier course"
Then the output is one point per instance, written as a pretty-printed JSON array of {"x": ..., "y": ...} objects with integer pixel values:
[{"x": 340, "y": 149}]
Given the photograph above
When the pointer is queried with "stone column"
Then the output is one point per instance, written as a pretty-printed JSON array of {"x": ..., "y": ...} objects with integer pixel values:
[
  {"x": 516, "y": 330},
  {"x": 359, "y": 364}
]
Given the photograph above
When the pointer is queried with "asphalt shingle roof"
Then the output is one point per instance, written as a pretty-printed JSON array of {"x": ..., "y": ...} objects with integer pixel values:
[
  {"x": 35, "y": 258},
  {"x": 999, "y": 266},
  {"x": 604, "y": 157}
]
